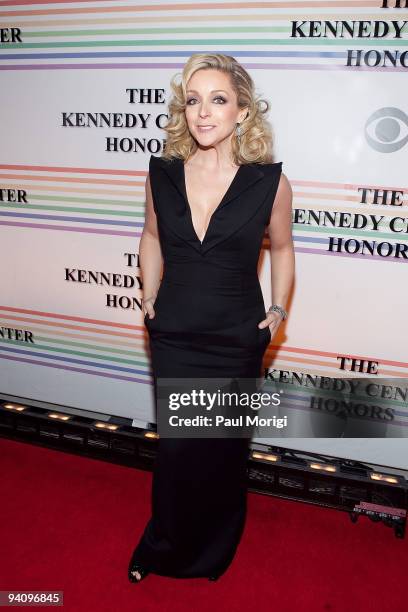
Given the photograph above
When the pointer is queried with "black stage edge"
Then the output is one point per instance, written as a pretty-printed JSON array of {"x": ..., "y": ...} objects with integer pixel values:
[{"x": 341, "y": 484}]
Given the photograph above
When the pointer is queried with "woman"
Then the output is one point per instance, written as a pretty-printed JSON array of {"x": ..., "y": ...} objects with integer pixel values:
[{"x": 209, "y": 199}]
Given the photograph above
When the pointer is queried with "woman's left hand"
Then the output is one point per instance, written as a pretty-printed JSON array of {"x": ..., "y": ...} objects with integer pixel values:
[{"x": 273, "y": 319}]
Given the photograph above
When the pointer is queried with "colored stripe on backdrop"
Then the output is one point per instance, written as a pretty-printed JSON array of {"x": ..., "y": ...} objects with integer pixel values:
[
  {"x": 113, "y": 349},
  {"x": 259, "y": 33},
  {"x": 118, "y": 350},
  {"x": 112, "y": 202},
  {"x": 84, "y": 200}
]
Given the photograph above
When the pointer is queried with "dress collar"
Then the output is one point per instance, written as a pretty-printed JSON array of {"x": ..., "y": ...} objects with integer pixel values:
[{"x": 221, "y": 224}]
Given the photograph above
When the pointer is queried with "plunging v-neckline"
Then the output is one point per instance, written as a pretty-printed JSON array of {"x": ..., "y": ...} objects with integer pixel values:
[{"x": 215, "y": 209}]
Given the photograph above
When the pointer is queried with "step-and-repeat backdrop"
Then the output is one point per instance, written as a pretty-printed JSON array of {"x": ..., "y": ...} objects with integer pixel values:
[{"x": 84, "y": 94}]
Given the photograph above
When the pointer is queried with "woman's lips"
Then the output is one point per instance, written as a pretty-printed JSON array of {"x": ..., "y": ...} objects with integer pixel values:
[{"x": 206, "y": 128}]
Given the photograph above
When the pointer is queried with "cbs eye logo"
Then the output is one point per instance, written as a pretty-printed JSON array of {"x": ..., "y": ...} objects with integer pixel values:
[{"x": 383, "y": 135}]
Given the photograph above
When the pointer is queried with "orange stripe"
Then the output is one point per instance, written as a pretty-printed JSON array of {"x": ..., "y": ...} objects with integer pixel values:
[
  {"x": 70, "y": 179},
  {"x": 112, "y": 341},
  {"x": 218, "y": 18},
  {"x": 94, "y": 330},
  {"x": 330, "y": 365},
  {"x": 198, "y": 6},
  {"x": 319, "y": 373},
  {"x": 143, "y": 173},
  {"x": 57, "y": 189},
  {"x": 272, "y": 348},
  {"x": 391, "y": 373},
  {"x": 73, "y": 169},
  {"x": 305, "y": 351},
  {"x": 53, "y": 315},
  {"x": 350, "y": 186}
]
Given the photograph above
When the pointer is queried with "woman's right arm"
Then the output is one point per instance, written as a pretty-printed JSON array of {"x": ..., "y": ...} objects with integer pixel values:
[{"x": 150, "y": 254}]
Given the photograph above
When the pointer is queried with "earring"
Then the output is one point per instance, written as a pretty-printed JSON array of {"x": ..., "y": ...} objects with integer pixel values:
[{"x": 238, "y": 132}]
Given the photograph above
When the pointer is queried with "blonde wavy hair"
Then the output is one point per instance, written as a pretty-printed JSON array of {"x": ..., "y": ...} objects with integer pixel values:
[{"x": 256, "y": 133}]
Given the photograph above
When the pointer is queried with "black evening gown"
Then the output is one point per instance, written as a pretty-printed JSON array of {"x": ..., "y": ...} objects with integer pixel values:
[{"x": 207, "y": 311}]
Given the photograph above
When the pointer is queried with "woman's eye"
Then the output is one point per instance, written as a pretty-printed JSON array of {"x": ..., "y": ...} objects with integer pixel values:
[{"x": 216, "y": 98}]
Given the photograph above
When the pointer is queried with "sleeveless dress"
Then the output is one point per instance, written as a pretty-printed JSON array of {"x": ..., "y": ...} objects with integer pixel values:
[{"x": 207, "y": 310}]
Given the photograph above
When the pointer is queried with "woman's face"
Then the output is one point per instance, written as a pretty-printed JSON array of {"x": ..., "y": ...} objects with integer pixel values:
[{"x": 211, "y": 101}]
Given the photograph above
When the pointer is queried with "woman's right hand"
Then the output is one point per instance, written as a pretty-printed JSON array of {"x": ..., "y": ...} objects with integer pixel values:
[{"x": 148, "y": 307}]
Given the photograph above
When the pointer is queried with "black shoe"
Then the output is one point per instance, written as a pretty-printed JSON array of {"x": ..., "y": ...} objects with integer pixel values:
[
  {"x": 142, "y": 572},
  {"x": 134, "y": 567}
]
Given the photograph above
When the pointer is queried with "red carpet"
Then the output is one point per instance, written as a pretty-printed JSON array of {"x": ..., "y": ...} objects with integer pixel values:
[{"x": 69, "y": 523}]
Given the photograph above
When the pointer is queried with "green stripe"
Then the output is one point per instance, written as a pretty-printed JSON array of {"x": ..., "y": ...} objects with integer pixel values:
[
  {"x": 93, "y": 211},
  {"x": 45, "y": 198},
  {"x": 120, "y": 351},
  {"x": 207, "y": 42},
  {"x": 78, "y": 353},
  {"x": 297, "y": 227},
  {"x": 343, "y": 231},
  {"x": 171, "y": 30}
]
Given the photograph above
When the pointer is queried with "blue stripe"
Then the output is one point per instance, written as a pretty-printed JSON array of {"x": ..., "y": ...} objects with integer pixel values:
[
  {"x": 72, "y": 360},
  {"x": 16, "y": 56},
  {"x": 77, "y": 219}
]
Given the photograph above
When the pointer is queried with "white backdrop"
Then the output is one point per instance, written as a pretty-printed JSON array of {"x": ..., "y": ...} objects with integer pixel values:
[{"x": 83, "y": 205}]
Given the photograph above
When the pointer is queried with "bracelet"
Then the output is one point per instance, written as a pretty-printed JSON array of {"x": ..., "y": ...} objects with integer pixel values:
[{"x": 276, "y": 308}]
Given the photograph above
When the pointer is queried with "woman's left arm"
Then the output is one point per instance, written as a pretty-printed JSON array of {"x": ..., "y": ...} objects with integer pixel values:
[{"x": 281, "y": 250}]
